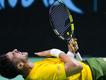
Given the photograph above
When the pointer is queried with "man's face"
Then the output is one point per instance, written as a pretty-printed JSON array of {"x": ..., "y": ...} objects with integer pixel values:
[{"x": 17, "y": 56}]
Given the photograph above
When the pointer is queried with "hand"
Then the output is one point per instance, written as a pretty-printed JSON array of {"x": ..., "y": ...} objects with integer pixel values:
[
  {"x": 43, "y": 53},
  {"x": 73, "y": 45}
]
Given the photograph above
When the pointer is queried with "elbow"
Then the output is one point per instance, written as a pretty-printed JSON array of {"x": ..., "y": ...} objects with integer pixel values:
[
  {"x": 80, "y": 67},
  {"x": 73, "y": 68},
  {"x": 77, "y": 67}
]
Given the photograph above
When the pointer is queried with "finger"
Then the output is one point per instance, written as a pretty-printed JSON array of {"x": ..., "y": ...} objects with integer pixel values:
[{"x": 36, "y": 53}]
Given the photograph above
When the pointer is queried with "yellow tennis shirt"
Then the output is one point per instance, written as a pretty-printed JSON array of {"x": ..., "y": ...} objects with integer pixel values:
[
  {"x": 47, "y": 69},
  {"x": 53, "y": 69}
]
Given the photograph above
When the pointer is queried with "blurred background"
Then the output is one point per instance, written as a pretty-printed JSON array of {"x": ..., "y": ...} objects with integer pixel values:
[{"x": 24, "y": 24}]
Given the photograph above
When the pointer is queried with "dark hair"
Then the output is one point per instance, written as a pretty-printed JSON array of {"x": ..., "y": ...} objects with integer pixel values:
[{"x": 7, "y": 67}]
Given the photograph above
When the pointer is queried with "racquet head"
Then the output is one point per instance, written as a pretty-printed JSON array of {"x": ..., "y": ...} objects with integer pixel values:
[{"x": 61, "y": 20}]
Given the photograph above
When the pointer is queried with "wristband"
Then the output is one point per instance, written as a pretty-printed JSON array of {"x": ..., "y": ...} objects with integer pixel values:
[{"x": 55, "y": 52}]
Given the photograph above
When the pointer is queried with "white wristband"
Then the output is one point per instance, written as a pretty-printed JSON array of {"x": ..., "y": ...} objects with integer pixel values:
[{"x": 55, "y": 52}]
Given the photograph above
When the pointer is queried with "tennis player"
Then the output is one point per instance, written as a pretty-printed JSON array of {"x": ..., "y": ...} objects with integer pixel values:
[{"x": 62, "y": 67}]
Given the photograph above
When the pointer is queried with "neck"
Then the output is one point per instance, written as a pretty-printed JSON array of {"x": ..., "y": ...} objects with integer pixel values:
[{"x": 27, "y": 68}]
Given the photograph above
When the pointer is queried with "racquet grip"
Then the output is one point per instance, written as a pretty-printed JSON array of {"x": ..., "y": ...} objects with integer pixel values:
[
  {"x": 72, "y": 27},
  {"x": 71, "y": 18}
]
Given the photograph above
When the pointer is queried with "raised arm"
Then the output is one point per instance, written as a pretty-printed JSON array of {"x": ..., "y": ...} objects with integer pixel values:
[{"x": 72, "y": 66}]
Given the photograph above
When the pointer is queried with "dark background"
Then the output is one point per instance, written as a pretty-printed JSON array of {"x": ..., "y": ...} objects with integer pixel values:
[{"x": 28, "y": 29}]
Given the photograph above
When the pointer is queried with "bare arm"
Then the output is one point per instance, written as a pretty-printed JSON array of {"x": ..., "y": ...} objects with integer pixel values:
[{"x": 72, "y": 66}]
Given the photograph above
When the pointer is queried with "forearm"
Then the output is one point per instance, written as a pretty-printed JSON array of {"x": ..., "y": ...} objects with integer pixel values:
[
  {"x": 72, "y": 66},
  {"x": 65, "y": 58}
]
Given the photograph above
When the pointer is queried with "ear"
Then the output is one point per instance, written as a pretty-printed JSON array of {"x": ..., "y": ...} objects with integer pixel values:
[{"x": 20, "y": 65}]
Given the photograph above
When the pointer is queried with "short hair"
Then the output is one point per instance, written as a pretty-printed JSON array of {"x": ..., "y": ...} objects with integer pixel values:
[{"x": 7, "y": 68}]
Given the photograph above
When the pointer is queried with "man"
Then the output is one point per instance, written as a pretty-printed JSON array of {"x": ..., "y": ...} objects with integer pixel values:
[
  {"x": 61, "y": 68},
  {"x": 16, "y": 62}
]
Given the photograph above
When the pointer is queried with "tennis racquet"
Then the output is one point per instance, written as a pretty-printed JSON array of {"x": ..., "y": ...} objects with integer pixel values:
[{"x": 61, "y": 21}]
